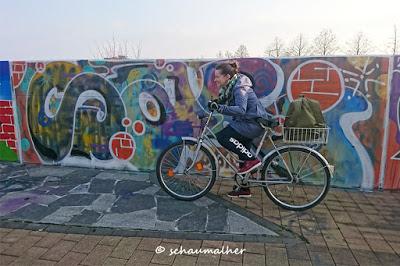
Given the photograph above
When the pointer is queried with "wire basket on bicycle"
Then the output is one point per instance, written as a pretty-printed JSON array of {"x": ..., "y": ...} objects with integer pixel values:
[{"x": 301, "y": 135}]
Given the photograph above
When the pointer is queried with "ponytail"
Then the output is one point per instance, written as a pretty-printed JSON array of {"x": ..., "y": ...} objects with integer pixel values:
[{"x": 228, "y": 68}]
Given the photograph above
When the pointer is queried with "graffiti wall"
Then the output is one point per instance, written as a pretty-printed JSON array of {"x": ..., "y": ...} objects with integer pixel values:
[
  {"x": 352, "y": 93},
  {"x": 392, "y": 167},
  {"x": 102, "y": 114},
  {"x": 122, "y": 114},
  {"x": 8, "y": 140}
]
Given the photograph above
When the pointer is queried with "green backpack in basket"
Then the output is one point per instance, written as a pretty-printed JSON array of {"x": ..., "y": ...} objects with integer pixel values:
[
  {"x": 304, "y": 113},
  {"x": 305, "y": 123}
]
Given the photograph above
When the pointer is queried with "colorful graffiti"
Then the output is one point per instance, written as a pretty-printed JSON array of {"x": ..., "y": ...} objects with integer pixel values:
[
  {"x": 8, "y": 139},
  {"x": 105, "y": 114},
  {"x": 352, "y": 93},
  {"x": 122, "y": 114},
  {"x": 392, "y": 166}
]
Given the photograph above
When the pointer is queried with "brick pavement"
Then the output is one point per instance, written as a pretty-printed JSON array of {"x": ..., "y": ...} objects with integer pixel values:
[{"x": 348, "y": 228}]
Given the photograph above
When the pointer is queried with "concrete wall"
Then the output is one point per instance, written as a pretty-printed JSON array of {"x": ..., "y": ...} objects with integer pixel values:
[{"x": 122, "y": 114}]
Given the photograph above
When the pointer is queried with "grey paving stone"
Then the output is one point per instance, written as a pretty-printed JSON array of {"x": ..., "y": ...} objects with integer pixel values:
[
  {"x": 242, "y": 225},
  {"x": 13, "y": 187},
  {"x": 86, "y": 217},
  {"x": 128, "y": 186},
  {"x": 61, "y": 190},
  {"x": 51, "y": 178},
  {"x": 217, "y": 218},
  {"x": 74, "y": 180},
  {"x": 195, "y": 221},
  {"x": 75, "y": 177},
  {"x": 51, "y": 181},
  {"x": 149, "y": 191},
  {"x": 134, "y": 176},
  {"x": 103, "y": 203},
  {"x": 162, "y": 193},
  {"x": 33, "y": 212},
  {"x": 75, "y": 200},
  {"x": 62, "y": 215},
  {"x": 153, "y": 177},
  {"x": 131, "y": 203},
  {"x": 28, "y": 197},
  {"x": 49, "y": 170},
  {"x": 80, "y": 189},
  {"x": 170, "y": 209},
  {"x": 167, "y": 226},
  {"x": 25, "y": 178},
  {"x": 203, "y": 202},
  {"x": 20, "y": 183},
  {"x": 101, "y": 186},
  {"x": 144, "y": 219},
  {"x": 83, "y": 173}
]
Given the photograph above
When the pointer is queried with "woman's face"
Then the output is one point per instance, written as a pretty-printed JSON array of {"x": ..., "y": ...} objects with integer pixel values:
[{"x": 220, "y": 78}]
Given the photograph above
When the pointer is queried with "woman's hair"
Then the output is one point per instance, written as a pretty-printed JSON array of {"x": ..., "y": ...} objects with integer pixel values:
[{"x": 231, "y": 68}]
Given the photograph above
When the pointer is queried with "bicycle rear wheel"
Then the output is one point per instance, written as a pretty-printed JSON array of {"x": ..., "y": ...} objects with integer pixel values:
[
  {"x": 310, "y": 182},
  {"x": 177, "y": 180}
]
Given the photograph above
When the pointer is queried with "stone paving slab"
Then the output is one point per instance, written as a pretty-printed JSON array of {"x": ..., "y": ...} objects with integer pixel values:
[{"x": 120, "y": 200}]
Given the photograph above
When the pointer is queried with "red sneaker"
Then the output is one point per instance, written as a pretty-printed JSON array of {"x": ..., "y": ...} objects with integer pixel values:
[
  {"x": 249, "y": 166},
  {"x": 239, "y": 192}
]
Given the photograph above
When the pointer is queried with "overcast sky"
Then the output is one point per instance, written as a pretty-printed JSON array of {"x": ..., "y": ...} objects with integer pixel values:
[{"x": 74, "y": 29}]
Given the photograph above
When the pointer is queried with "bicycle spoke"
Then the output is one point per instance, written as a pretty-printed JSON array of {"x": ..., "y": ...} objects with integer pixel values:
[
  {"x": 176, "y": 157},
  {"x": 204, "y": 171},
  {"x": 169, "y": 163},
  {"x": 291, "y": 161},
  {"x": 315, "y": 171},
  {"x": 302, "y": 165}
]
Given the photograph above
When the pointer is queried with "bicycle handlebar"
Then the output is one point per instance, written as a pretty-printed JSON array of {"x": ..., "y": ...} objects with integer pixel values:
[{"x": 265, "y": 123}]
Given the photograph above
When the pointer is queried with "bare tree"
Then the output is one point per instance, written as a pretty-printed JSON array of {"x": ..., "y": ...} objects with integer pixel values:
[
  {"x": 275, "y": 48},
  {"x": 394, "y": 43},
  {"x": 114, "y": 49},
  {"x": 359, "y": 45},
  {"x": 241, "y": 51},
  {"x": 225, "y": 54},
  {"x": 299, "y": 46},
  {"x": 136, "y": 50},
  {"x": 325, "y": 43},
  {"x": 228, "y": 54}
]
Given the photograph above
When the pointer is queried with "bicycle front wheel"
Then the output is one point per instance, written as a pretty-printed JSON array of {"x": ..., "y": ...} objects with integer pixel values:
[
  {"x": 297, "y": 178},
  {"x": 178, "y": 179}
]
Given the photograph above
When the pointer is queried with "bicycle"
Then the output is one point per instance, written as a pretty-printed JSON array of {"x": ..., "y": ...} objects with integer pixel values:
[{"x": 294, "y": 176}]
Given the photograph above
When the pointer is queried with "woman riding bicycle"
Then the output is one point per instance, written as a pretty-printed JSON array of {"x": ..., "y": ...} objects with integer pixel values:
[{"x": 238, "y": 99}]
